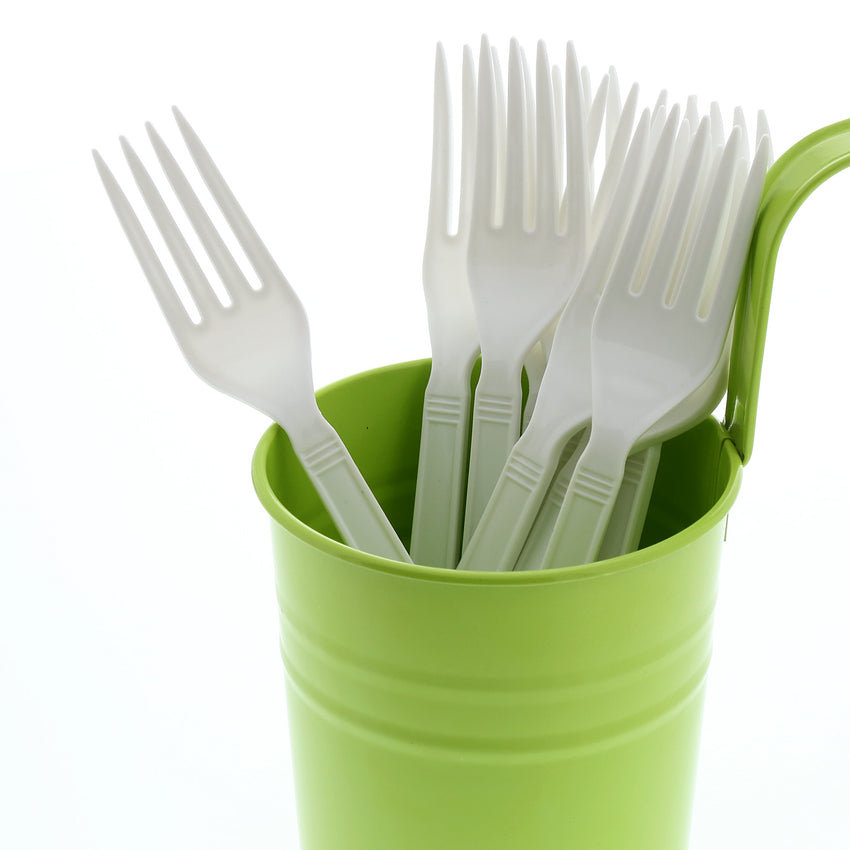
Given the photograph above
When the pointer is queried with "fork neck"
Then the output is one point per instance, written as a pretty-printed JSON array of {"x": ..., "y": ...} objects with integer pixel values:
[
  {"x": 501, "y": 377},
  {"x": 607, "y": 450},
  {"x": 450, "y": 375},
  {"x": 304, "y": 424}
]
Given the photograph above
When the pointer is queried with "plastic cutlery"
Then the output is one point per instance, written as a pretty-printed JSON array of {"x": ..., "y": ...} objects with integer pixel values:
[
  {"x": 519, "y": 277},
  {"x": 441, "y": 478},
  {"x": 564, "y": 402},
  {"x": 625, "y": 525},
  {"x": 624, "y": 528},
  {"x": 617, "y": 146},
  {"x": 538, "y": 356},
  {"x": 257, "y": 348},
  {"x": 651, "y": 352}
]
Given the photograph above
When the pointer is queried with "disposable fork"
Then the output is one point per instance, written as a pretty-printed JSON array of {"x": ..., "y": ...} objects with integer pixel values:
[
  {"x": 441, "y": 478},
  {"x": 654, "y": 343},
  {"x": 629, "y": 510},
  {"x": 520, "y": 277},
  {"x": 623, "y": 532},
  {"x": 257, "y": 349},
  {"x": 564, "y": 403},
  {"x": 594, "y": 111}
]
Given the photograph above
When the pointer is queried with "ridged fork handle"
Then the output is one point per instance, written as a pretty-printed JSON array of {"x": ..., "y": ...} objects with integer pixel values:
[
  {"x": 441, "y": 479},
  {"x": 520, "y": 489},
  {"x": 496, "y": 425},
  {"x": 534, "y": 548},
  {"x": 630, "y": 508},
  {"x": 587, "y": 507},
  {"x": 627, "y": 516},
  {"x": 348, "y": 498}
]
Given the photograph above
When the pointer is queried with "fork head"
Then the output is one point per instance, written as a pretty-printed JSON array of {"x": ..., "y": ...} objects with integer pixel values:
[
  {"x": 451, "y": 317},
  {"x": 522, "y": 263},
  {"x": 257, "y": 347},
  {"x": 650, "y": 351}
]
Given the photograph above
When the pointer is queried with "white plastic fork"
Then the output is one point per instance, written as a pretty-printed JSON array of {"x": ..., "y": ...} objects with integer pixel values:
[
  {"x": 441, "y": 478},
  {"x": 594, "y": 113},
  {"x": 257, "y": 349},
  {"x": 520, "y": 278},
  {"x": 625, "y": 525},
  {"x": 649, "y": 354},
  {"x": 622, "y": 533},
  {"x": 564, "y": 403}
]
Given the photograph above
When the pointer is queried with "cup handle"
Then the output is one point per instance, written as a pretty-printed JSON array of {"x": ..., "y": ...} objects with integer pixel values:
[{"x": 793, "y": 177}]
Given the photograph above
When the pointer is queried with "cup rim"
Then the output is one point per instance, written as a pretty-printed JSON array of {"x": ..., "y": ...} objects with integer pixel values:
[{"x": 333, "y": 548}]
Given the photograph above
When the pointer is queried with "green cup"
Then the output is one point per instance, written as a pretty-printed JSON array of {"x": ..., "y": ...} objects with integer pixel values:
[{"x": 433, "y": 709}]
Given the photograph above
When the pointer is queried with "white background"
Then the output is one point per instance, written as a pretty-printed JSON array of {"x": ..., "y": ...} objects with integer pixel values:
[{"x": 141, "y": 691}]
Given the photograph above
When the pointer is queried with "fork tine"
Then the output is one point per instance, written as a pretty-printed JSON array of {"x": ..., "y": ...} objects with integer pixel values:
[
  {"x": 718, "y": 135},
  {"x": 613, "y": 109},
  {"x": 467, "y": 142},
  {"x": 548, "y": 202},
  {"x": 234, "y": 281},
  {"x": 171, "y": 306},
  {"x": 484, "y": 192},
  {"x": 530, "y": 170},
  {"x": 658, "y": 214},
  {"x": 727, "y": 231},
  {"x": 739, "y": 120},
  {"x": 684, "y": 143},
  {"x": 560, "y": 130},
  {"x": 762, "y": 130},
  {"x": 500, "y": 135},
  {"x": 516, "y": 163},
  {"x": 692, "y": 113},
  {"x": 441, "y": 150},
  {"x": 615, "y": 159},
  {"x": 577, "y": 198},
  {"x": 660, "y": 106},
  {"x": 634, "y": 241},
  {"x": 710, "y": 228},
  {"x": 196, "y": 281},
  {"x": 595, "y": 116},
  {"x": 264, "y": 265},
  {"x": 605, "y": 246},
  {"x": 726, "y": 292},
  {"x": 586, "y": 91},
  {"x": 738, "y": 183},
  {"x": 659, "y": 116},
  {"x": 671, "y": 244}
]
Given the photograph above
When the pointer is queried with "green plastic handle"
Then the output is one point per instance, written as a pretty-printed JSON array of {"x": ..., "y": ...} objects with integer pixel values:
[{"x": 794, "y": 176}]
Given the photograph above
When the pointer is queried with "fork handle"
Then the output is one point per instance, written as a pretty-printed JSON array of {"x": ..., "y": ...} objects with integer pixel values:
[
  {"x": 534, "y": 548},
  {"x": 347, "y": 497},
  {"x": 440, "y": 480},
  {"x": 629, "y": 513},
  {"x": 588, "y": 503},
  {"x": 497, "y": 540},
  {"x": 496, "y": 420}
]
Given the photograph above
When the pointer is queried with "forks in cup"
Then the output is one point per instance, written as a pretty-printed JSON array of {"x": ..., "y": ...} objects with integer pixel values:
[{"x": 257, "y": 348}]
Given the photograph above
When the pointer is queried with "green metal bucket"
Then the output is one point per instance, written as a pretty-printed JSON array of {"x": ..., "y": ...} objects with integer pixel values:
[{"x": 433, "y": 709}]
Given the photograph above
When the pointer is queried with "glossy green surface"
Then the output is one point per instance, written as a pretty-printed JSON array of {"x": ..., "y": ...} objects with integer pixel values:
[
  {"x": 429, "y": 708},
  {"x": 793, "y": 177}
]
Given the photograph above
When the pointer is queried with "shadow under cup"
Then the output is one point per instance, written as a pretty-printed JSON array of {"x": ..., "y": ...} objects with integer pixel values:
[{"x": 434, "y": 709}]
